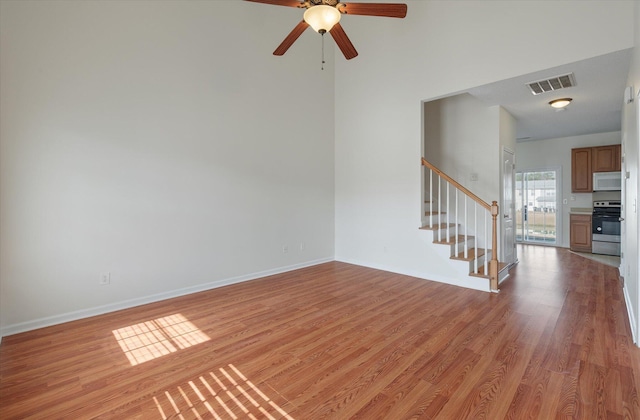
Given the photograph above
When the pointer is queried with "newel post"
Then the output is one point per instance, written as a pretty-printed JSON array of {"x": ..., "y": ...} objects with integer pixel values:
[{"x": 493, "y": 263}]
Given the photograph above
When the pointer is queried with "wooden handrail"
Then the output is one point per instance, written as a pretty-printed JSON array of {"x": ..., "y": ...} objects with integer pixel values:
[{"x": 457, "y": 185}]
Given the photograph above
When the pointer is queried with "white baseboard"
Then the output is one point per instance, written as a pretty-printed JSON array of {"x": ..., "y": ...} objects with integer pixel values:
[
  {"x": 462, "y": 281},
  {"x": 632, "y": 317},
  {"x": 130, "y": 303}
]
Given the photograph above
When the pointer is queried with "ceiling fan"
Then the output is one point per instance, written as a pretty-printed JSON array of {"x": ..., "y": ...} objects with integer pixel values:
[{"x": 324, "y": 16}]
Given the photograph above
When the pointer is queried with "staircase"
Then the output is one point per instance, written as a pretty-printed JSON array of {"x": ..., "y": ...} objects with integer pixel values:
[{"x": 463, "y": 226}]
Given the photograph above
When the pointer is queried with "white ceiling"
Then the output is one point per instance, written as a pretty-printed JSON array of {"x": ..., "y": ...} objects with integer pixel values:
[{"x": 597, "y": 99}]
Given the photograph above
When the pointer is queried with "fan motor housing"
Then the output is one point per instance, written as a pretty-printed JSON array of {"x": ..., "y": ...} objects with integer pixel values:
[{"x": 333, "y": 3}]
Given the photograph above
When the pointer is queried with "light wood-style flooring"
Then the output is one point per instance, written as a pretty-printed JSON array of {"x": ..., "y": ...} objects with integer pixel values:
[{"x": 339, "y": 341}]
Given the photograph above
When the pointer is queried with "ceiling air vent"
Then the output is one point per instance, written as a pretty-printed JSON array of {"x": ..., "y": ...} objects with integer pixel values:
[{"x": 552, "y": 84}]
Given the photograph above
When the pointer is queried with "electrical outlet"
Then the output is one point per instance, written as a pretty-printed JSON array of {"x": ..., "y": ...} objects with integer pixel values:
[
  {"x": 285, "y": 249},
  {"x": 105, "y": 278},
  {"x": 302, "y": 246}
]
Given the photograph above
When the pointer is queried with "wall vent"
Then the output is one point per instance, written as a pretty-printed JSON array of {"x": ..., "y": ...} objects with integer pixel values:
[{"x": 552, "y": 84}]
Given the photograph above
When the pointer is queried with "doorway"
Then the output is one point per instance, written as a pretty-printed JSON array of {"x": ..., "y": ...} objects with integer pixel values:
[{"x": 536, "y": 206}]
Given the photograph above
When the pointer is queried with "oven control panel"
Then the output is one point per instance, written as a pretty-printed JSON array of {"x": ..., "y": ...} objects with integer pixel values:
[{"x": 607, "y": 204}]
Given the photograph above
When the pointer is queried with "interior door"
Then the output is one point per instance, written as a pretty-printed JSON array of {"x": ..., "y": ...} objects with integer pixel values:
[{"x": 508, "y": 208}]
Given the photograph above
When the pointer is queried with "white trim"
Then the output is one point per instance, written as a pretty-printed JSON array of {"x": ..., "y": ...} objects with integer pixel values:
[
  {"x": 630, "y": 314},
  {"x": 130, "y": 303}
]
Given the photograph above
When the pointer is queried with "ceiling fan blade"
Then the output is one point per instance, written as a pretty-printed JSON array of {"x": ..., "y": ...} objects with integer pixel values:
[
  {"x": 291, "y": 38},
  {"x": 288, "y": 3},
  {"x": 396, "y": 10},
  {"x": 343, "y": 42}
]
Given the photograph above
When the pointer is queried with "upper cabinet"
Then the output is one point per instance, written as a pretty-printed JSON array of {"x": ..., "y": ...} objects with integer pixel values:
[
  {"x": 606, "y": 158},
  {"x": 581, "y": 170},
  {"x": 587, "y": 160}
]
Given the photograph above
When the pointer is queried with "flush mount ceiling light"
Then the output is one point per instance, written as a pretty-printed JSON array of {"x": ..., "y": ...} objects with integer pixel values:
[{"x": 560, "y": 103}]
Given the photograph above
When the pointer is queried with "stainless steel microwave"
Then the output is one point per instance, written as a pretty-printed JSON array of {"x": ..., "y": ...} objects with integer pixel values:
[{"x": 607, "y": 181}]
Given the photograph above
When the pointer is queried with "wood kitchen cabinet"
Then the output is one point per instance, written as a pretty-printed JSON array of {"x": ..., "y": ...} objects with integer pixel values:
[
  {"x": 606, "y": 158},
  {"x": 581, "y": 170},
  {"x": 587, "y": 160},
  {"x": 580, "y": 232}
]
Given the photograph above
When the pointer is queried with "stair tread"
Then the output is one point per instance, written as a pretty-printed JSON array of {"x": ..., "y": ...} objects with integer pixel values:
[
  {"x": 452, "y": 240},
  {"x": 471, "y": 255},
  {"x": 436, "y": 226},
  {"x": 429, "y": 213}
]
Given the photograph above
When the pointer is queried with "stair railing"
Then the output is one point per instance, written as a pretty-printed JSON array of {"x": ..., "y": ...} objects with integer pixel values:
[{"x": 490, "y": 210}]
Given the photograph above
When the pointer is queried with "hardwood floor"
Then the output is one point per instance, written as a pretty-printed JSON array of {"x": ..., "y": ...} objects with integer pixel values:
[{"x": 340, "y": 341}]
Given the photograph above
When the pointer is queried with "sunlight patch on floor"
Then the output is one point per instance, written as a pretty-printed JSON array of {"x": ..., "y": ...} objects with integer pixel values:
[
  {"x": 224, "y": 394},
  {"x": 156, "y": 338}
]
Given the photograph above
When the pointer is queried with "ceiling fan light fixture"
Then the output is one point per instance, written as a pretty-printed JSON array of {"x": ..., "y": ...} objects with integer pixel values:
[
  {"x": 560, "y": 103},
  {"x": 322, "y": 17}
]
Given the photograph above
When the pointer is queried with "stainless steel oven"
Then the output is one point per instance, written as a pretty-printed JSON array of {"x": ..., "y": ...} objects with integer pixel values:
[{"x": 606, "y": 228}]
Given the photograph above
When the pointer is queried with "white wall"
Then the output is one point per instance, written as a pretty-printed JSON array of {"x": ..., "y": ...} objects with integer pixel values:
[
  {"x": 631, "y": 151},
  {"x": 162, "y": 142},
  {"x": 457, "y": 130},
  {"x": 553, "y": 153},
  {"x": 442, "y": 47}
]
